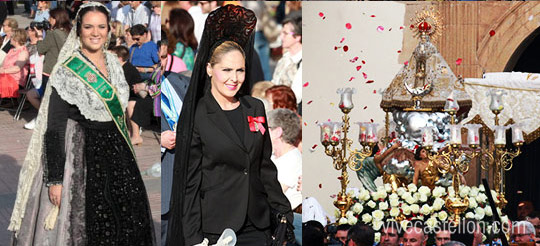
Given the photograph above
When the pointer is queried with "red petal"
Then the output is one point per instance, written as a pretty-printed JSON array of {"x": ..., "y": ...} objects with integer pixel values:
[
  {"x": 348, "y": 26},
  {"x": 371, "y": 120},
  {"x": 406, "y": 63},
  {"x": 491, "y": 33},
  {"x": 342, "y": 39},
  {"x": 358, "y": 68},
  {"x": 412, "y": 26},
  {"x": 380, "y": 28},
  {"x": 305, "y": 124},
  {"x": 320, "y": 186},
  {"x": 335, "y": 47},
  {"x": 363, "y": 62},
  {"x": 321, "y": 14},
  {"x": 458, "y": 61},
  {"x": 314, "y": 146},
  {"x": 354, "y": 59},
  {"x": 365, "y": 75},
  {"x": 372, "y": 16},
  {"x": 369, "y": 81},
  {"x": 374, "y": 91},
  {"x": 306, "y": 84},
  {"x": 390, "y": 29},
  {"x": 324, "y": 18},
  {"x": 365, "y": 107},
  {"x": 351, "y": 79},
  {"x": 309, "y": 102},
  {"x": 345, "y": 48},
  {"x": 401, "y": 27},
  {"x": 399, "y": 51}
]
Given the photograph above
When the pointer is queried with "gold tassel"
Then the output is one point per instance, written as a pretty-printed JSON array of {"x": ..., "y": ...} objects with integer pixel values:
[{"x": 50, "y": 221}]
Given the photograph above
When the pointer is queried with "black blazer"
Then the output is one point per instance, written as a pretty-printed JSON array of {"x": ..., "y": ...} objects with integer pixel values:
[{"x": 229, "y": 178}]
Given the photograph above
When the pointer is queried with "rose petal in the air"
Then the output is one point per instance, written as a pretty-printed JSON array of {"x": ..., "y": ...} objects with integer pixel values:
[
  {"x": 345, "y": 48},
  {"x": 458, "y": 61},
  {"x": 369, "y": 81},
  {"x": 492, "y": 33},
  {"x": 342, "y": 39},
  {"x": 365, "y": 75},
  {"x": 306, "y": 84},
  {"x": 348, "y": 26},
  {"x": 354, "y": 59},
  {"x": 358, "y": 68},
  {"x": 380, "y": 28},
  {"x": 350, "y": 79},
  {"x": 309, "y": 102}
]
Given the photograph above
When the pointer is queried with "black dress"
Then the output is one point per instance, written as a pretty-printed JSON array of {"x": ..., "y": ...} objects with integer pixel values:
[{"x": 114, "y": 206}]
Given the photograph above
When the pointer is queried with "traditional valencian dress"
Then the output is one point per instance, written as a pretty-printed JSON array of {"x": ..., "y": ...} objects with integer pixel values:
[{"x": 81, "y": 142}]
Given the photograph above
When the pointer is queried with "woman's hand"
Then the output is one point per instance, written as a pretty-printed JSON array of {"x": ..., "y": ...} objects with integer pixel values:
[
  {"x": 168, "y": 139},
  {"x": 55, "y": 194}
]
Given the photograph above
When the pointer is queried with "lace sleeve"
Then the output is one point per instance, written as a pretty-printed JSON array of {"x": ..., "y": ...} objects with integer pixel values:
[{"x": 55, "y": 140}]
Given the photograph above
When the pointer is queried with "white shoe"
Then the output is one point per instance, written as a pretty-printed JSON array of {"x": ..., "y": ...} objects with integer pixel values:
[{"x": 30, "y": 125}]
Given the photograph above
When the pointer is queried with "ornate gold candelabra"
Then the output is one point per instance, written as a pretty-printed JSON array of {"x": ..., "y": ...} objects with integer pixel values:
[
  {"x": 337, "y": 146},
  {"x": 455, "y": 160},
  {"x": 500, "y": 158}
]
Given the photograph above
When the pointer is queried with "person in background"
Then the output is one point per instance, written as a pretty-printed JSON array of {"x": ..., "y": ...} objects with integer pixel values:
[
  {"x": 442, "y": 236},
  {"x": 522, "y": 232},
  {"x": 341, "y": 233},
  {"x": 535, "y": 220},
  {"x": 123, "y": 11},
  {"x": 414, "y": 235},
  {"x": 313, "y": 233},
  {"x": 42, "y": 13},
  {"x": 390, "y": 234},
  {"x": 132, "y": 78},
  {"x": 8, "y": 26},
  {"x": 289, "y": 68},
  {"x": 15, "y": 67},
  {"x": 524, "y": 209},
  {"x": 285, "y": 129},
  {"x": 454, "y": 243},
  {"x": 118, "y": 34},
  {"x": 139, "y": 14},
  {"x": 143, "y": 53},
  {"x": 155, "y": 21},
  {"x": 181, "y": 27},
  {"x": 361, "y": 235},
  {"x": 281, "y": 96},
  {"x": 173, "y": 90},
  {"x": 49, "y": 47}
]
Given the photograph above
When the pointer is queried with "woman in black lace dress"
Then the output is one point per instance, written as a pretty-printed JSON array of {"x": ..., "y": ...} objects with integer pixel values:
[{"x": 80, "y": 184}]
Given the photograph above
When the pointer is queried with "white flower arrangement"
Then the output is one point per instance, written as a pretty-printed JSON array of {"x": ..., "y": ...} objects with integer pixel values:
[{"x": 413, "y": 203}]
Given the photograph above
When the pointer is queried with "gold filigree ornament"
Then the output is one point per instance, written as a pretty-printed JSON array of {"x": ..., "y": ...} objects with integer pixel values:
[{"x": 429, "y": 22}]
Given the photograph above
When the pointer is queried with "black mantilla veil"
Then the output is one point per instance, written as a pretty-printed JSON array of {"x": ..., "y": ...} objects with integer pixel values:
[{"x": 227, "y": 23}]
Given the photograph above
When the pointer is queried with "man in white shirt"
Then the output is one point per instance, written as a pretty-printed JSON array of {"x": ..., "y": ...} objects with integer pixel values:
[
  {"x": 285, "y": 130},
  {"x": 123, "y": 11},
  {"x": 139, "y": 14},
  {"x": 289, "y": 68}
]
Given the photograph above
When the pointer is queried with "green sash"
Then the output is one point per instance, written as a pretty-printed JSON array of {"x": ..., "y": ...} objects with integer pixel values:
[{"x": 106, "y": 93}]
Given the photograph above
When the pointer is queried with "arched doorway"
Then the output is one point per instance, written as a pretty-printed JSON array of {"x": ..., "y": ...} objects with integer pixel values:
[{"x": 522, "y": 181}]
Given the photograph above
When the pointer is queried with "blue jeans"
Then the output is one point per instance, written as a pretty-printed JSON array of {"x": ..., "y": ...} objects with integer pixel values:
[{"x": 263, "y": 49}]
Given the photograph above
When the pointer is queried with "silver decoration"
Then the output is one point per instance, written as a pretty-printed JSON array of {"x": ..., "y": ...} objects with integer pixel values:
[{"x": 400, "y": 168}]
